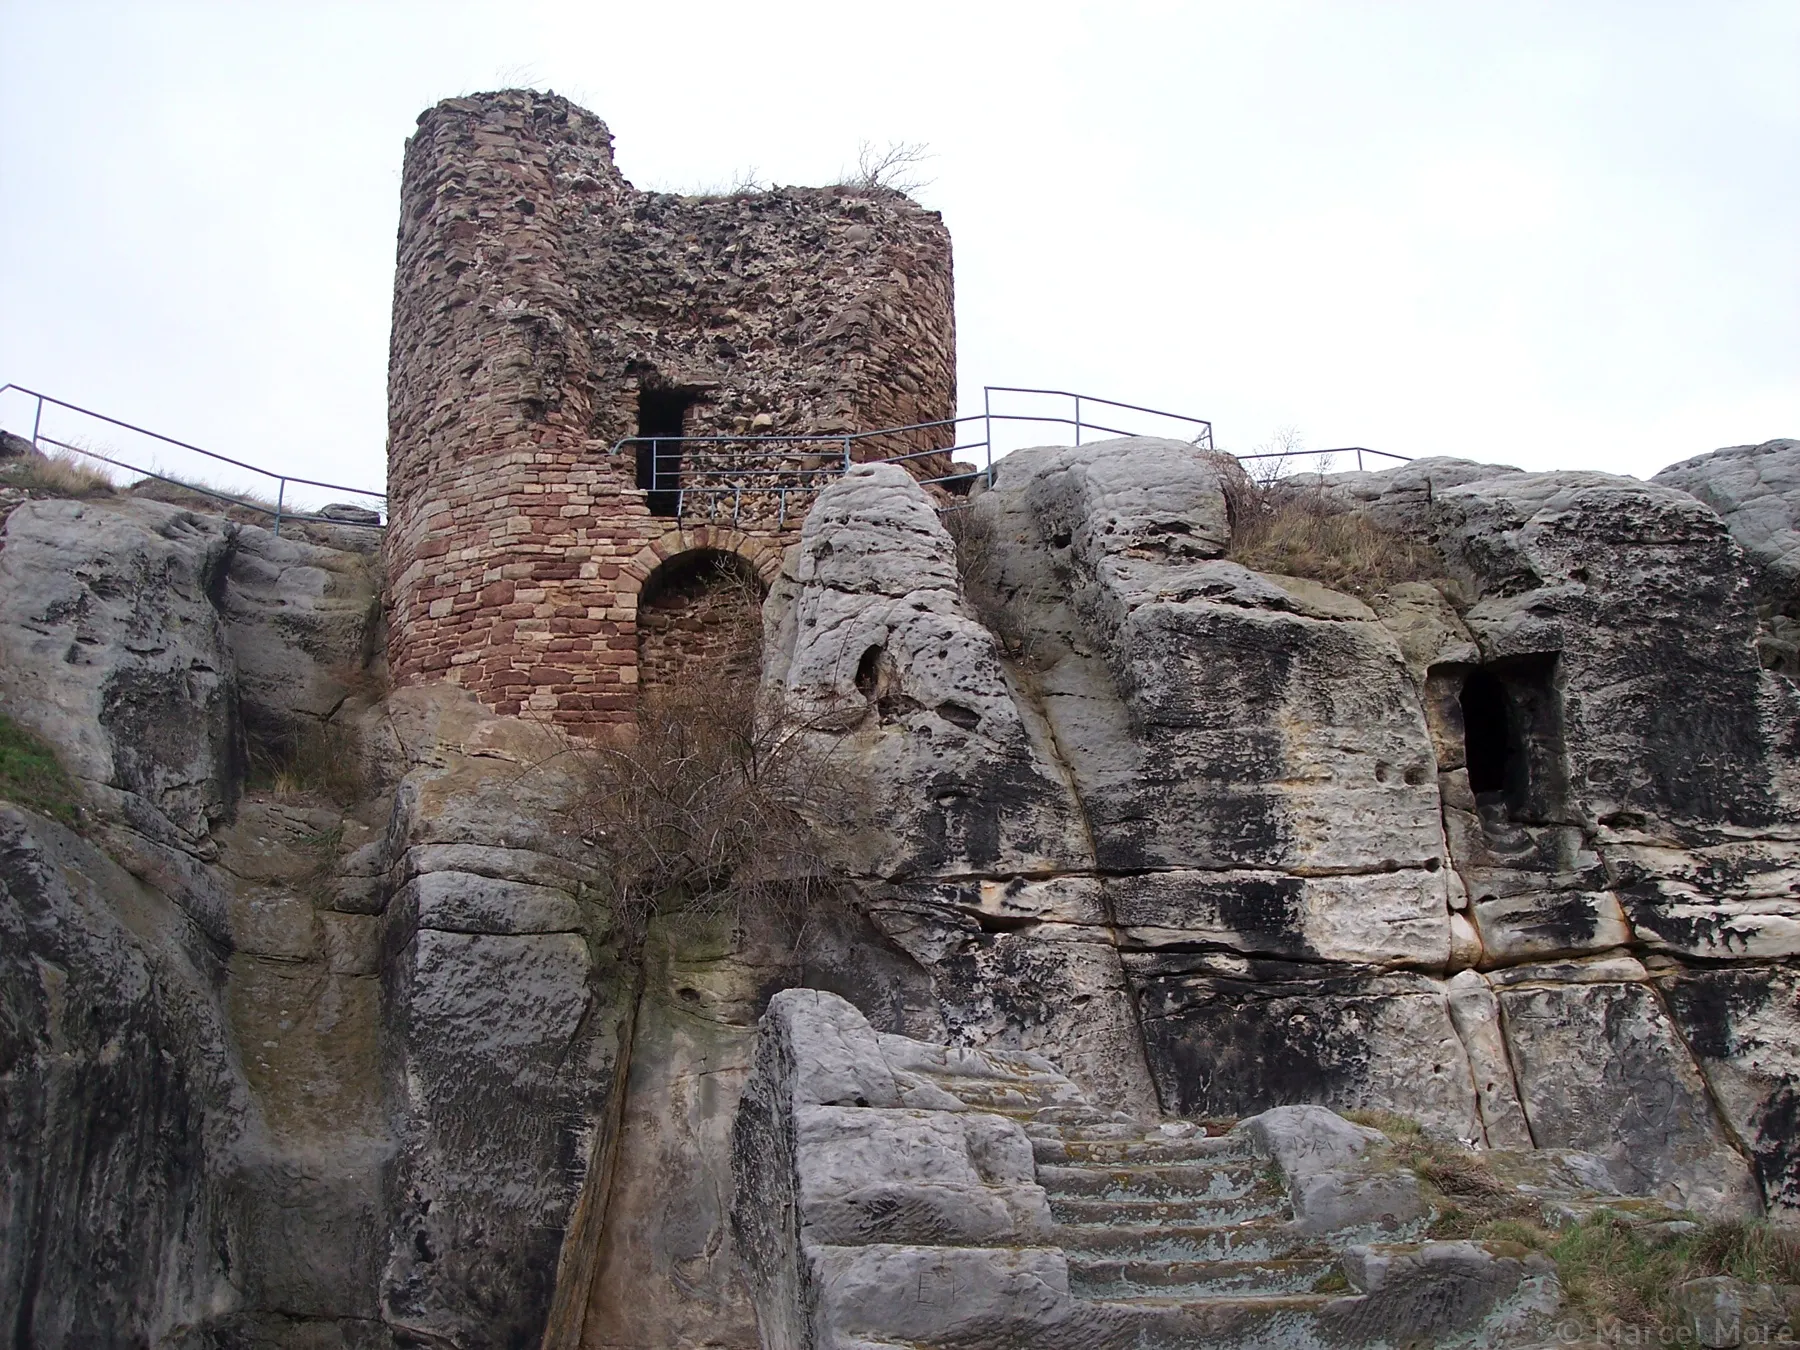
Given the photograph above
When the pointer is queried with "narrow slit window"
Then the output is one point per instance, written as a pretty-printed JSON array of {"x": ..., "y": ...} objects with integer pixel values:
[{"x": 662, "y": 421}]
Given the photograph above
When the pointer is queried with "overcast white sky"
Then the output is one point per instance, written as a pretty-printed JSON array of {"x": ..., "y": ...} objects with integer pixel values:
[{"x": 1552, "y": 234}]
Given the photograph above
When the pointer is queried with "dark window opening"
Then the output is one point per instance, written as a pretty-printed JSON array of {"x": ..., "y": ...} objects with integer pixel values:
[
  {"x": 661, "y": 413},
  {"x": 1487, "y": 733},
  {"x": 1512, "y": 737}
]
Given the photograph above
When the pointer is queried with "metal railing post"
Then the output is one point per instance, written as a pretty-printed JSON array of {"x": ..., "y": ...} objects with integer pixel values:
[
  {"x": 1078, "y": 420},
  {"x": 280, "y": 501},
  {"x": 1359, "y": 459},
  {"x": 37, "y": 421},
  {"x": 987, "y": 429},
  {"x": 846, "y": 454}
]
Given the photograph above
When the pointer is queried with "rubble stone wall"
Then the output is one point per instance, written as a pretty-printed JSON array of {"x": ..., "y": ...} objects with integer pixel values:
[{"x": 537, "y": 295}]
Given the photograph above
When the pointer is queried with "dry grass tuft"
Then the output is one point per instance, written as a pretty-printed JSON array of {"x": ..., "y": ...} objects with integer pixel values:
[
  {"x": 1298, "y": 531},
  {"x": 243, "y": 507},
  {"x": 322, "y": 761},
  {"x": 61, "y": 474},
  {"x": 1471, "y": 1196}
]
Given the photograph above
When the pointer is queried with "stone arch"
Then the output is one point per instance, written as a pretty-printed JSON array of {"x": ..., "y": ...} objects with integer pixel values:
[
  {"x": 761, "y": 555},
  {"x": 699, "y": 618}
]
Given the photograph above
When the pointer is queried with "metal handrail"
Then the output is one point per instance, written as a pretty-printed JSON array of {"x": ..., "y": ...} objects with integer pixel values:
[
  {"x": 747, "y": 448},
  {"x": 1203, "y": 439},
  {"x": 795, "y": 480},
  {"x": 1358, "y": 450},
  {"x": 278, "y": 512}
]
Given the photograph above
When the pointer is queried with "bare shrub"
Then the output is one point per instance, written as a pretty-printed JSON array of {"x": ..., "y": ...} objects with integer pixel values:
[
  {"x": 895, "y": 167},
  {"x": 704, "y": 814},
  {"x": 62, "y": 473}
]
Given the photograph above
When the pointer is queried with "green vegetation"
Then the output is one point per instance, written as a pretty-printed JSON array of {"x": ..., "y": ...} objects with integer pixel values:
[
  {"x": 1612, "y": 1270},
  {"x": 1332, "y": 1281},
  {"x": 32, "y": 777}
]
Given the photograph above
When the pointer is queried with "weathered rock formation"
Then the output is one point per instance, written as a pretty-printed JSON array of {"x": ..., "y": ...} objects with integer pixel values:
[
  {"x": 318, "y": 1031},
  {"x": 1756, "y": 491},
  {"x": 1517, "y": 866}
]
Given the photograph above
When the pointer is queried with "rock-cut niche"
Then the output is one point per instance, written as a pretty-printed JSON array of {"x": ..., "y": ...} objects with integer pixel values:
[
  {"x": 1513, "y": 738},
  {"x": 699, "y": 618}
]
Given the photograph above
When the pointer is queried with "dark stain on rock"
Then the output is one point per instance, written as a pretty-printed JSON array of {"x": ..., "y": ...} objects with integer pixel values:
[
  {"x": 1775, "y": 1151},
  {"x": 1230, "y": 1047}
]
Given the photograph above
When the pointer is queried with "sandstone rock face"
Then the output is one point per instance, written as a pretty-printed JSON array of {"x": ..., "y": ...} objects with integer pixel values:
[
  {"x": 299, "y": 621},
  {"x": 111, "y": 648},
  {"x": 1282, "y": 845},
  {"x": 120, "y": 1101},
  {"x": 1134, "y": 838},
  {"x": 1756, "y": 491},
  {"x": 870, "y": 633},
  {"x": 298, "y": 1072}
]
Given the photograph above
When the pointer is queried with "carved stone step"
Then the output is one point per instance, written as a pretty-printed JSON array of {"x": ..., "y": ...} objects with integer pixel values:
[
  {"x": 1259, "y": 1240},
  {"x": 1014, "y": 1095},
  {"x": 1273, "y": 1322},
  {"x": 1059, "y": 1124},
  {"x": 1194, "y": 1280},
  {"x": 1076, "y": 1210},
  {"x": 1231, "y": 1179},
  {"x": 1154, "y": 1151}
]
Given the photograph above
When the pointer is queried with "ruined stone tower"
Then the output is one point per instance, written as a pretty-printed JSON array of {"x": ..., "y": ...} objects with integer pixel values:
[{"x": 546, "y": 313}]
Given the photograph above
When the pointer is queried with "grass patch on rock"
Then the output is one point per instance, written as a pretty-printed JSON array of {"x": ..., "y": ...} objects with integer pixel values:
[
  {"x": 1344, "y": 550},
  {"x": 1616, "y": 1271},
  {"x": 320, "y": 761},
  {"x": 1619, "y": 1274},
  {"x": 59, "y": 474},
  {"x": 1468, "y": 1198},
  {"x": 31, "y": 776},
  {"x": 1296, "y": 530}
]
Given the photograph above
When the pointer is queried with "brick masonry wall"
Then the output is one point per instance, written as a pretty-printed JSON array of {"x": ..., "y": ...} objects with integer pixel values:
[
  {"x": 536, "y": 293},
  {"x": 701, "y": 621}
]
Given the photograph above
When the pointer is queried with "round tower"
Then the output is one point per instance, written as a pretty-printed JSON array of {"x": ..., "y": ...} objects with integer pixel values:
[{"x": 559, "y": 336}]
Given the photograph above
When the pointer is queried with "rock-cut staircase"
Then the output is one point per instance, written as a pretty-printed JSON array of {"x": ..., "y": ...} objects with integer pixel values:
[
  {"x": 897, "y": 1193},
  {"x": 1167, "y": 1218}
]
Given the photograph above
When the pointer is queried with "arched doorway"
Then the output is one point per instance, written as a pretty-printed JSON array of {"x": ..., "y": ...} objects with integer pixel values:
[{"x": 699, "y": 620}]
